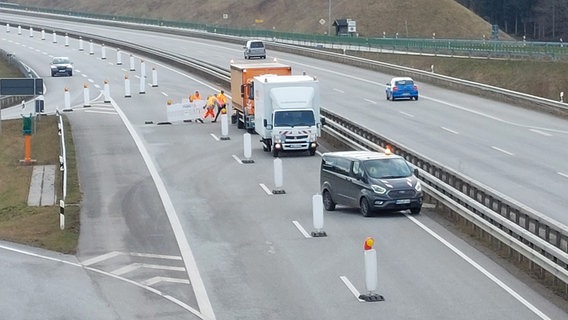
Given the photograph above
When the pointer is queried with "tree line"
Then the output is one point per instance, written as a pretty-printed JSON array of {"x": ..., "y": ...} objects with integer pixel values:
[{"x": 541, "y": 20}]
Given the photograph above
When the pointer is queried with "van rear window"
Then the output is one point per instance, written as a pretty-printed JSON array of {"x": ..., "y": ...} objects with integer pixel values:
[{"x": 257, "y": 45}]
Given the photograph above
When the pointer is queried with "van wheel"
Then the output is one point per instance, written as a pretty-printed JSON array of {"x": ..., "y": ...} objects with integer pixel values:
[
  {"x": 328, "y": 203},
  {"x": 312, "y": 152},
  {"x": 415, "y": 210},
  {"x": 364, "y": 207}
]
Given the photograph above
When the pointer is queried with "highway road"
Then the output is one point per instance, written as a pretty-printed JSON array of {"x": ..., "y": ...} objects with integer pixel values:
[{"x": 172, "y": 202}]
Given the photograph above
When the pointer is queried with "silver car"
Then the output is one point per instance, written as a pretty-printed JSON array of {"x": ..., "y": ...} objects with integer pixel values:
[{"x": 61, "y": 66}]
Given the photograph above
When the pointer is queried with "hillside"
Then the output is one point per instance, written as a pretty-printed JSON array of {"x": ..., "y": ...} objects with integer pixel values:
[{"x": 445, "y": 18}]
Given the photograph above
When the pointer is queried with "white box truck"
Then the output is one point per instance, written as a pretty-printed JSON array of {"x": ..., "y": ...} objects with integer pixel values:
[{"x": 287, "y": 112}]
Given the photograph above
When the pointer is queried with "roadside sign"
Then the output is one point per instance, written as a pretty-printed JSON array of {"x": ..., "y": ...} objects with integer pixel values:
[{"x": 21, "y": 87}]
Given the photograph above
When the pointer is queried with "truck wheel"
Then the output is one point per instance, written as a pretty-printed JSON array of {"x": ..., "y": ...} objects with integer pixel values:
[
  {"x": 240, "y": 124},
  {"x": 312, "y": 152},
  {"x": 275, "y": 153}
]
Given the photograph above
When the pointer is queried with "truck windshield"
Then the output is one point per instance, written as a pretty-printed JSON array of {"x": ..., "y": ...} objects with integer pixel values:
[{"x": 294, "y": 118}]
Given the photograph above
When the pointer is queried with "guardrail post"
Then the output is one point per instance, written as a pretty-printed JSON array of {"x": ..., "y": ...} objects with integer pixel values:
[{"x": 61, "y": 214}]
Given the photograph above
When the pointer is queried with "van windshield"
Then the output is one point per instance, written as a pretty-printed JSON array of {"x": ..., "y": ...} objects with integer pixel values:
[{"x": 387, "y": 168}]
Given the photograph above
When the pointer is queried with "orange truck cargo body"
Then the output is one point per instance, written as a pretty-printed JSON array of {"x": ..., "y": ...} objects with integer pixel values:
[{"x": 242, "y": 75}]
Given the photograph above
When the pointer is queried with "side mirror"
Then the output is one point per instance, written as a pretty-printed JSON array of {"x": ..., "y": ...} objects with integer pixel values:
[{"x": 416, "y": 172}]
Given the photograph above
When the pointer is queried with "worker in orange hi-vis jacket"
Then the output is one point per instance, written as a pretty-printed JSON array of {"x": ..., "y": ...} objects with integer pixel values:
[
  {"x": 195, "y": 96},
  {"x": 210, "y": 106},
  {"x": 221, "y": 104}
]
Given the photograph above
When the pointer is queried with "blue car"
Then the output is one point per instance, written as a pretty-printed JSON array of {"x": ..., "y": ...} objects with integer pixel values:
[{"x": 401, "y": 88}]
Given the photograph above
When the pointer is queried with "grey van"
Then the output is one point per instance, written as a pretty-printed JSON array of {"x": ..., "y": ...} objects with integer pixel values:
[
  {"x": 255, "y": 49},
  {"x": 370, "y": 181}
]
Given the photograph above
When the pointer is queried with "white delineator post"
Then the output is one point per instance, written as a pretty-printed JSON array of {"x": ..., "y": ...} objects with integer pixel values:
[
  {"x": 67, "y": 100},
  {"x": 7, "y": 28},
  {"x": 154, "y": 77},
  {"x": 118, "y": 57},
  {"x": 19, "y": 30},
  {"x": 103, "y": 52},
  {"x": 86, "y": 96},
  {"x": 127, "y": 87},
  {"x": 371, "y": 272},
  {"x": 42, "y": 34},
  {"x": 278, "y": 177},
  {"x": 142, "y": 68},
  {"x": 106, "y": 91},
  {"x": 91, "y": 48},
  {"x": 31, "y": 32},
  {"x": 247, "y": 148},
  {"x": 81, "y": 44},
  {"x": 132, "y": 68},
  {"x": 66, "y": 40},
  {"x": 61, "y": 214},
  {"x": 317, "y": 212},
  {"x": 142, "y": 85},
  {"x": 54, "y": 37},
  {"x": 224, "y": 125}
]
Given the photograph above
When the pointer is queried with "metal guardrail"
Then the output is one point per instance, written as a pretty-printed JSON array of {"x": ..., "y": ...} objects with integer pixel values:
[{"x": 540, "y": 239}]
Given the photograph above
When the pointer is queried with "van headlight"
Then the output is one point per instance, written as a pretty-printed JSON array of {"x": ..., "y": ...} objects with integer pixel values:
[
  {"x": 378, "y": 189},
  {"x": 418, "y": 186}
]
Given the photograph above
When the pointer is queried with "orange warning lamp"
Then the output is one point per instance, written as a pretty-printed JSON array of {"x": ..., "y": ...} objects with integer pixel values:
[
  {"x": 369, "y": 242},
  {"x": 388, "y": 151}
]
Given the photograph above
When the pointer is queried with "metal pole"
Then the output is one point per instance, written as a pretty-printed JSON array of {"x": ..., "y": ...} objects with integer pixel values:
[{"x": 329, "y": 18}]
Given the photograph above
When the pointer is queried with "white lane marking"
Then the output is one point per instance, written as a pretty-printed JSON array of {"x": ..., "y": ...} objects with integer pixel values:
[
  {"x": 237, "y": 159},
  {"x": 154, "y": 256},
  {"x": 480, "y": 268},
  {"x": 214, "y": 136},
  {"x": 90, "y": 80},
  {"x": 501, "y": 150},
  {"x": 301, "y": 229},
  {"x": 101, "y": 258},
  {"x": 164, "y": 94},
  {"x": 351, "y": 288},
  {"x": 407, "y": 114},
  {"x": 450, "y": 130},
  {"x": 135, "y": 266},
  {"x": 563, "y": 174},
  {"x": 338, "y": 90},
  {"x": 371, "y": 101},
  {"x": 154, "y": 280},
  {"x": 540, "y": 132},
  {"x": 108, "y": 274},
  {"x": 187, "y": 254},
  {"x": 265, "y": 188}
]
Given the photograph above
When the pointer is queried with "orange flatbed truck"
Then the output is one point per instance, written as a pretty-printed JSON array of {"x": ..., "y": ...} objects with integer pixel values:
[{"x": 242, "y": 91}]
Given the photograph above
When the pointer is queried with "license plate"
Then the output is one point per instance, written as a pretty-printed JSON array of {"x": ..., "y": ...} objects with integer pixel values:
[
  {"x": 403, "y": 201},
  {"x": 406, "y": 94}
]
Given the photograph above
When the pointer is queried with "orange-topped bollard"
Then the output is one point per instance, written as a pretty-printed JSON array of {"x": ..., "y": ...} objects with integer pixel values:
[{"x": 371, "y": 272}]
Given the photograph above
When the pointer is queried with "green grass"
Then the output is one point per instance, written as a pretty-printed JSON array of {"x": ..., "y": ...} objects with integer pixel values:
[{"x": 36, "y": 226}]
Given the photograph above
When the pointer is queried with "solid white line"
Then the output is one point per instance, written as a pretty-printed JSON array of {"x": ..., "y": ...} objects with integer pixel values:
[
  {"x": 165, "y": 94},
  {"x": 480, "y": 268},
  {"x": 563, "y": 174},
  {"x": 504, "y": 151},
  {"x": 540, "y": 132},
  {"x": 301, "y": 229},
  {"x": 351, "y": 288},
  {"x": 407, "y": 114},
  {"x": 237, "y": 159},
  {"x": 265, "y": 188},
  {"x": 371, "y": 101},
  {"x": 100, "y": 258},
  {"x": 187, "y": 254},
  {"x": 338, "y": 90},
  {"x": 155, "y": 256},
  {"x": 103, "y": 112},
  {"x": 450, "y": 130}
]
